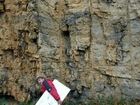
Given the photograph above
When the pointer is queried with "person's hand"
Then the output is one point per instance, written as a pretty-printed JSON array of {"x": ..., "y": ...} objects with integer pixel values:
[{"x": 59, "y": 102}]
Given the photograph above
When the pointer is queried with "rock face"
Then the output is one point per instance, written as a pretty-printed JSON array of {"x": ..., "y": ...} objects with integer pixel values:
[{"x": 92, "y": 46}]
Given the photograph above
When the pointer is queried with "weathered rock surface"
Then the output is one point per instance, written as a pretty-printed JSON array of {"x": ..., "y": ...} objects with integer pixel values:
[{"x": 92, "y": 46}]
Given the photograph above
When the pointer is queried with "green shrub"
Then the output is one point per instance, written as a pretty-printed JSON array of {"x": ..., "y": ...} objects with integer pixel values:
[
  {"x": 105, "y": 101},
  {"x": 111, "y": 101},
  {"x": 32, "y": 102},
  {"x": 97, "y": 101},
  {"x": 3, "y": 101}
]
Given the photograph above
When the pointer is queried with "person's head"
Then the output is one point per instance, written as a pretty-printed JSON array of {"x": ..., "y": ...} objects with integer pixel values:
[{"x": 40, "y": 79}]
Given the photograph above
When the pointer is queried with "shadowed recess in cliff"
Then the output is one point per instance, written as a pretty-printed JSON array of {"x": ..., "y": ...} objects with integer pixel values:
[
  {"x": 6, "y": 97},
  {"x": 2, "y": 6},
  {"x": 22, "y": 44},
  {"x": 82, "y": 58},
  {"x": 69, "y": 62},
  {"x": 66, "y": 36},
  {"x": 71, "y": 20},
  {"x": 120, "y": 32},
  {"x": 107, "y": 1}
]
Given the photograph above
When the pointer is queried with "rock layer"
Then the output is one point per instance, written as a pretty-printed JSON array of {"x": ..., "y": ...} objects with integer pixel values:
[{"x": 92, "y": 46}]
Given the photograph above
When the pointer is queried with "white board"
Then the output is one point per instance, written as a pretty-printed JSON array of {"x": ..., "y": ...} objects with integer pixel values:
[{"x": 47, "y": 98}]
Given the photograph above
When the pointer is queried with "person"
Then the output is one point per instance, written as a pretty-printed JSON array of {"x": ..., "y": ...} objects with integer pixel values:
[{"x": 48, "y": 85}]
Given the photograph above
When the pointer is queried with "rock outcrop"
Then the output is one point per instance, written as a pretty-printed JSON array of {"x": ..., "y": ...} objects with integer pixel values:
[{"x": 92, "y": 46}]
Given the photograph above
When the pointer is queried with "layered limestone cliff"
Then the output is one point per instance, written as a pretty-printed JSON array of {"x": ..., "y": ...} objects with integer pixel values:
[{"x": 92, "y": 46}]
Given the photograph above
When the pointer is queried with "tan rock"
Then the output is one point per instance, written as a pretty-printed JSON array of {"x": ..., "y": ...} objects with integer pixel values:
[
  {"x": 1, "y": 7},
  {"x": 32, "y": 48},
  {"x": 92, "y": 46}
]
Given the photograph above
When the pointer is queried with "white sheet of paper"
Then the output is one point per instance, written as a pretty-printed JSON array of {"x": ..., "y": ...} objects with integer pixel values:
[
  {"x": 47, "y": 98},
  {"x": 61, "y": 89}
]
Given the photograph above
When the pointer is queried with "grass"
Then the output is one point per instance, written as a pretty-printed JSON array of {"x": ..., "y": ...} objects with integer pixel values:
[
  {"x": 28, "y": 103},
  {"x": 97, "y": 101},
  {"x": 105, "y": 101},
  {"x": 3, "y": 101},
  {"x": 111, "y": 101},
  {"x": 12, "y": 101}
]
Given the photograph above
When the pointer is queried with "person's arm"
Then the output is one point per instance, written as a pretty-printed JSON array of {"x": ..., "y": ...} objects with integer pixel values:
[
  {"x": 47, "y": 85},
  {"x": 53, "y": 92},
  {"x": 43, "y": 89}
]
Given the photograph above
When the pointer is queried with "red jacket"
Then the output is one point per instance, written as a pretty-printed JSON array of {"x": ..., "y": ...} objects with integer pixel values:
[{"x": 53, "y": 92}]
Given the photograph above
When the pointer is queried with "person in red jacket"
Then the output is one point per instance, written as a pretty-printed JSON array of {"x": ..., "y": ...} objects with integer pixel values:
[{"x": 48, "y": 85}]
